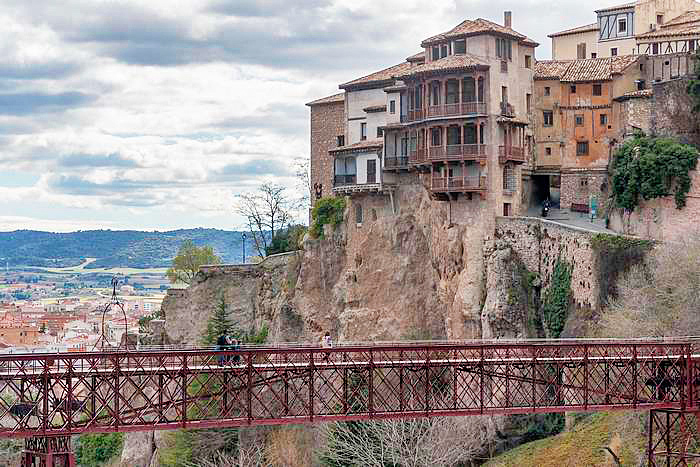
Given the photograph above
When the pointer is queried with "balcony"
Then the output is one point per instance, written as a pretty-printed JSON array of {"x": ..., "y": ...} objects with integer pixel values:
[
  {"x": 465, "y": 184},
  {"x": 418, "y": 156},
  {"x": 445, "y": 110},
  {"x": 458, "y": 152},
  {"x": 507, "y": 110},
  {"x": 511, "y": 153},
  {"x": 396, "y": 162},
  {"x": 345, "y": 180}
]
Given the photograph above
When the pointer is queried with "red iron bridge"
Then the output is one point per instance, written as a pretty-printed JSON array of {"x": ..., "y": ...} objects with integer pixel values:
[{"x": 46, "y": 398}]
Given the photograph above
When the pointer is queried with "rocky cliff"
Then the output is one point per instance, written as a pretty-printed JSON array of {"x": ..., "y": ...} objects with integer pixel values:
[{"x": 413, "y": 269}]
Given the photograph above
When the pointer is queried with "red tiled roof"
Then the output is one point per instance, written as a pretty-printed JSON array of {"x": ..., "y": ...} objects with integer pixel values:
[
  {"x": 578, "y": 30},
  {"x": 551, "y": 69},
  {"x": 578, "y": 71},
  {"x": 375, "y": 108},
  {"x": 340, "y": 97},
  {"x": 367, "y": 144},
  {"x": 617, "y": 7},
  {"x": 383, "y": 75},
  {"x": 451, "y": 62},
  {"x": 419, "y": 57},
  {"x": 684, "y": 25},
  {"x": 474, "y": 27}
]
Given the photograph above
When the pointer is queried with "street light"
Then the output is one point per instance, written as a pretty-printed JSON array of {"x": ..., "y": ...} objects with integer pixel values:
[{"x": 244, "y": 237}]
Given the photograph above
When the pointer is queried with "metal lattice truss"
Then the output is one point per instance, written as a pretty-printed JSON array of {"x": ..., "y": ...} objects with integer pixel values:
[{"x": 64, "y": 394}]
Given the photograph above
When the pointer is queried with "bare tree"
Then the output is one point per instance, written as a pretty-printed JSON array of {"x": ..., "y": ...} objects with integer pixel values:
[
  {"x": 266, "y": 211},
  {"x": 438, "y": 441},
  {"x": 303, "y": 176},
  {"x": 660, "y": 297}
]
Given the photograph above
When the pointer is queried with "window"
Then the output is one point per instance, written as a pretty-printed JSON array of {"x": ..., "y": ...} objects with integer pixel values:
[
  {"x": 436, "y": 53},
  {"x": 573, "y": 89},
  {"x": 363, "y": 131},
  {"x": 504, "y": 49},
  {"x": 579, "y": 120},
  {"x": 506, "y": 209},
  {"x": 594, "y": 55},
  {"x": 380, "y": 133},
  {"x": 392, "y": 107},
  {"x": 547, "y": 91},
  {"x": 622, "y": 26},
  {"x": 528, "y": 61},
  {"x": 341, "y": 140},
  {"x": 597, "y": 90},
  {"x": 655, "y": 48},
  {"x": 443, "y": 51},
  {"x": 547, "y": 151},
  {"x": 509, "y": 180},
  {"x": 460, "y": 47},
  {"x": 548, "y": 117},
  {"x": 603, "y": 119},
  {"x": 358, "y": 213},
  {"x": 581, "y": 51},
  {"x": 613, "y": 51},
  {"x": 641, "y": 84},
  {"x": 528, "y": 102},
  {"x": 659, "y": 19},
  {"x": 582, "y": 148},
  {"x": 435, "y": 136}
]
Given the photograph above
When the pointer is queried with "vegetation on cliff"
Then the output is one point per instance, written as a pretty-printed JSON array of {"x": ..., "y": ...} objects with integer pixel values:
[
  {"x": 557, "y": 300},
  {"x": 289, "y": 239},
  {"x": 189, "y": 258},
  {"x": 329, "y": 210},
  {"x": 93, "y": 450},
  {"x": 647, "y": 167}
]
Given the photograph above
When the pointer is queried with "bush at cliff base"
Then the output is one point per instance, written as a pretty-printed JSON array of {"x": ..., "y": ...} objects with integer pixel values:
[{"x": 328, "y": 210}]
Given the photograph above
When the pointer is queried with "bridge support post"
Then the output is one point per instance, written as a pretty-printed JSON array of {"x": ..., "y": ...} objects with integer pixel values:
[
  {"x": 52, "y": 451},
  {"x": 674, "y": 438}
]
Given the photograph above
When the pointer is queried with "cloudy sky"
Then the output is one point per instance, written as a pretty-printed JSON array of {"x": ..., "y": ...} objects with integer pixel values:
[{"x": 154, "y": 114}]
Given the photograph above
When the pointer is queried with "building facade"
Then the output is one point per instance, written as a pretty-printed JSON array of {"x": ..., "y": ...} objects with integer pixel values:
[
  {"x": 578, "y": 125},
  {"x": 456, "y": 114},
  {"x": 617, "y": 29}
]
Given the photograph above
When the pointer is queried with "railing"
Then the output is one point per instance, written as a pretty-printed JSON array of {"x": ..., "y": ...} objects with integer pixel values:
[
  {"x": 511, "y": 153},
  {"x": 418, "y": 156},
  {"x": 472, "y": 152},
  {"x": 396, "y": 162},
  {"x": 507, "y": 110},
  {"x": 466, "y": 183},
  {"x": 412, "y": 116},
  {"x": 341, "y": 180},
  {"x": 463, "y": 108}
]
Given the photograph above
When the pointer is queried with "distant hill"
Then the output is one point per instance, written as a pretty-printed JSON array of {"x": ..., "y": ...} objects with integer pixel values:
[{"x": 113, "y": 248}]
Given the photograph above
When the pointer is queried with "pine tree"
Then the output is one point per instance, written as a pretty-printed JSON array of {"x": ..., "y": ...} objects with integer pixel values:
[{"x": 219, "y": 323}]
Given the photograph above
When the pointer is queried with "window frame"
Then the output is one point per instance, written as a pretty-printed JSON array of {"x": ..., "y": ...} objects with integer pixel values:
[
  {"x": 392, "y": 106},
  {"x": 579, "y": 146},
  {"x": 613, "y": 51},
  {"x": 579, "y": 120},
  {"x": 603, "y": 119},
  {"x": 572, "y": 89},
  {"x": 528, "y": 61},
  {"x": 597, "y": 90},
  {"x": 619, "y": 22},
  {"x": 464, "y": 41},
  {"x": 547, "y": 91},
  {"x": 340, "y": 140},
  {"x": 363, "y": 131},
  {"x": 547, "y": 151},
  {"x": 549, "y": 113},
  {"x": 380, "y": 132}
]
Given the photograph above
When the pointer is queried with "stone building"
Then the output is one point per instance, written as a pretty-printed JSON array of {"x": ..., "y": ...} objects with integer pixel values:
[
  {"x": 577, "y": 125},
  {"x": 454, "y": 117},
  {"x": 617, "y": 29},
  {"x": 327, "y": 130}
]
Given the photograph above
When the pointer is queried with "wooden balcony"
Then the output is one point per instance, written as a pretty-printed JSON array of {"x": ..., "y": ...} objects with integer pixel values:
[
  {"x": 466, "y": 184},
  {"x": 396, "y": 162},
  {"x": 511, "y": 153},
  {"x": 458, "y": 152},
  {"x": 418, "y": 156},
  {"x": 507, "y": 110},
  {"x": 347, "y": 185},
  {"x": 445, "y": 110}
]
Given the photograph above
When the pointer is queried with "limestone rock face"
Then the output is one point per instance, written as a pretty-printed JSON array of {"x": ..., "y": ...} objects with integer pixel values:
[{"x": 137, "y": 450}]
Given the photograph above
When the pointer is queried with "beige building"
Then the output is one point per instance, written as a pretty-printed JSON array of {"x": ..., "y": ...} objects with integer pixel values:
[
  {"x": 616, "y": 29},
  {"x": 455, "y": 116}
]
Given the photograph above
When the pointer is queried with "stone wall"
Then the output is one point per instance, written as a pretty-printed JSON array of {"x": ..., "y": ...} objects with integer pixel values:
[
  {"x": 327, "y": 123},
  {"x": 578, "y": 187},
  {"x": 671, "y": 112}
]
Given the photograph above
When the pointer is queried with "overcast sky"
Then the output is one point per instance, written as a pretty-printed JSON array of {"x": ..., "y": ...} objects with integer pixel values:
[{"x": 154, "y": 114}]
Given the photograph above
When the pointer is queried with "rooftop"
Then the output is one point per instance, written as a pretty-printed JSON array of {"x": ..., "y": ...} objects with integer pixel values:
[
  {"x": 643, "y": 94},
  {"x": 472, "y": 28},
  {"x": 686, "y": 24},
  {"x": 419, "y": 57},
  {"x": 617, "y": 7},
  {"x": 386, "y": 74},
  {"x": 578, "y": 30},
  {"x": 579, "y": 71},
  {"x": 362, "y": 145},
  {"x": 451, "y": 62},
  {"x": 340, "y": 97}
]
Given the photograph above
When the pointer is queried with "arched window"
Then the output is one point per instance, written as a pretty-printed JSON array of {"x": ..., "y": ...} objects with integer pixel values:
[{"x": 358, "y": 213}]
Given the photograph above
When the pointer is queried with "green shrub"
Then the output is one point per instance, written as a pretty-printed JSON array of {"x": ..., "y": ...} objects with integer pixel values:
[
  {"x": 649, "y": 168},
  {"x": 329, "y": 210},
  {"x": 95, "y": 449},
  {"x": 289, "y": 239},
  {"x": 557, "y": 299}
]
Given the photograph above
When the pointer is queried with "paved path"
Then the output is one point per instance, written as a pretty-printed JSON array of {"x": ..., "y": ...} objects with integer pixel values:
[{"x": 576, "y": 219}]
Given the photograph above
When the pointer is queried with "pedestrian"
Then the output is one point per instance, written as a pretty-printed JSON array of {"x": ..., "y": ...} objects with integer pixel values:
[
  {"x": 221, "y": 345},
  {"x": 327, "y": 343},
  {"x": 229, "y": 346},
  {"x": 236, "y": 347}
]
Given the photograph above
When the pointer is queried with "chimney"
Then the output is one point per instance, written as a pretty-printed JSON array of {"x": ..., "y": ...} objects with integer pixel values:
[{"x": 508, "y": 19}]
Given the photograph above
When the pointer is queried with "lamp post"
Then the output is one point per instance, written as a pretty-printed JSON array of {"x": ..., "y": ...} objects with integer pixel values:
[{"x": 244, "y": 237}]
